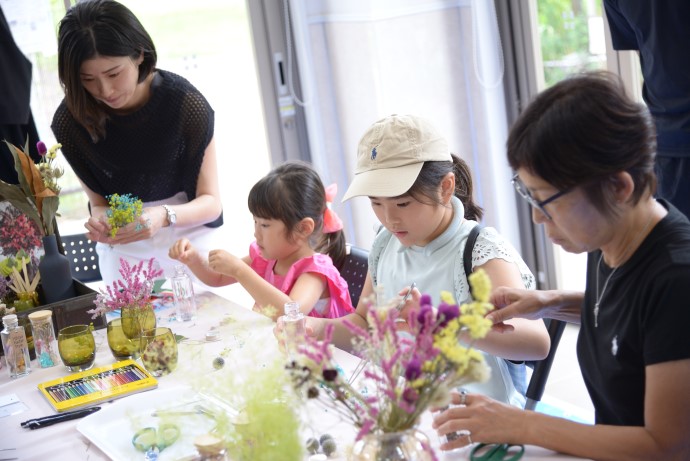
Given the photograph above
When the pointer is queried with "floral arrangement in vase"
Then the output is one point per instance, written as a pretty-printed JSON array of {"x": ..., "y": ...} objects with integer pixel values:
[
  {"x": 37, "y": 194},
  {"x": 124, "y": 209},
  {"x": 133, "y": 290},
  {"x": 36, "y": 199},
  {"x": 405, "y": 374}
]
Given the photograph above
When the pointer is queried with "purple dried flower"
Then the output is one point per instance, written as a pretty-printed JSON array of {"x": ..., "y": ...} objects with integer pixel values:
[
  {"x": 410, "y": 395},
  {"x": 413, "y": 369},
  {"x": 446, "y": 313},
  {"x": 42, "y": 149},
  {"x": 425, "y": 316},
  {"x": 329, "y": 374}
]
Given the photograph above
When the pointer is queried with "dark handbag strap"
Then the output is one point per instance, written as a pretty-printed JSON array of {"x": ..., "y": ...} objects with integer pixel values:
[{"x": 469, "y": 246}]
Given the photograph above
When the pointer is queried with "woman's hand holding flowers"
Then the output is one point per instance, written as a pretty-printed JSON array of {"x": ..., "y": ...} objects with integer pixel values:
[
  {"x": 487, "y": 420},
  {"x": 144, "y": 226},
  {"x": 529, "y": 304},
  {"x": 98, "y": 230}
]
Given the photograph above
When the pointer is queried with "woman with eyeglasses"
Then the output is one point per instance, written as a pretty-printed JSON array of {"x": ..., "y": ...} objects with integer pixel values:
[{"x": 584, "y": 157}]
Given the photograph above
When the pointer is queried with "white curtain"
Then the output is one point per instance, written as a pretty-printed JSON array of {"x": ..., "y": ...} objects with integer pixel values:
[{"x": 361, "y": 60}]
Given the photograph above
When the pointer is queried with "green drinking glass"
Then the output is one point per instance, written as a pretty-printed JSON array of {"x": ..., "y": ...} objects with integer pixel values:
[
  {"x": 77, "y": 347},
  {"x": 124, "y": 338},
  {"x": 159, "y": 351}
]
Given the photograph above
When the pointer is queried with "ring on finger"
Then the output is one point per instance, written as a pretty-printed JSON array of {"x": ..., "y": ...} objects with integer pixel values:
[{"x": 463, "y": 397}]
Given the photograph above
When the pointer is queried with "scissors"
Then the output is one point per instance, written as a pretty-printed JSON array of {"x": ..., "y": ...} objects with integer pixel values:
[
  {"x": 152, "y": 441},
  {"x": 497, "y": 452}
]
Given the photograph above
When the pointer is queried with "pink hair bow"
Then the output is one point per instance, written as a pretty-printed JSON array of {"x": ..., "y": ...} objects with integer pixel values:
[{"x": 331, "y": 221}]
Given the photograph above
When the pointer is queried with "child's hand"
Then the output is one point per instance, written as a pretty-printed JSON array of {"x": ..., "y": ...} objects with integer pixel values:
[
  {"x": 225, "y": 263},
  {"x": 183, "y": 251},
  {"x": 411, "y": 305}
]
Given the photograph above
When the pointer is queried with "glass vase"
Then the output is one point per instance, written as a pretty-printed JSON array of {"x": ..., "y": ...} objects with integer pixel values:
[
  {"x": 143, "y": 319},
  {"x": 56, "y": 274},
  {"x": 407, "y": 445},
  {"x": 26, "y": 300}
]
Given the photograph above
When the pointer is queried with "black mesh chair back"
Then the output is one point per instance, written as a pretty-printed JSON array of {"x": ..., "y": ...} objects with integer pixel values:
[
  {"x": 82, "y": 256},
  {"x": 542, "y": 368},
  {"x": 354, "y": 271}
]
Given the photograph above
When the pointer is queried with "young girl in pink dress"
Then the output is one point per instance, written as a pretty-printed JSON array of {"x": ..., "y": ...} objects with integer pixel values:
[{"x": 298, "y": 240}]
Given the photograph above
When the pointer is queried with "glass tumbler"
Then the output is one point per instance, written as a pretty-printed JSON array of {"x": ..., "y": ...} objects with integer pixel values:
[
  {"x": 77, "y": 347},
  {"x": 124, "y": 338},
  {"x": 159, "y": 351}
]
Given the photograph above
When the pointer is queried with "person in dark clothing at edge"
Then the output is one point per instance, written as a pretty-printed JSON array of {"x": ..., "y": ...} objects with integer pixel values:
[
  {"x": 16, "y": 120},
  {"x": 659, "y": 31}
]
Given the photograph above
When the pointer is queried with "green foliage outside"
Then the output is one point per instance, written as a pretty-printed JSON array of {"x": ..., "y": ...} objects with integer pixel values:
[{"x": 564, "y": 33}]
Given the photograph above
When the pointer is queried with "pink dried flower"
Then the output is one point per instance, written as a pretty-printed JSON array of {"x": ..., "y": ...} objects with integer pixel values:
[{"x": 133, "y": 289}]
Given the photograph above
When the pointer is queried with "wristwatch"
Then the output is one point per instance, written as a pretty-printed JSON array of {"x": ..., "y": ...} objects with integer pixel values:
[{"x": 172, "y": 216}]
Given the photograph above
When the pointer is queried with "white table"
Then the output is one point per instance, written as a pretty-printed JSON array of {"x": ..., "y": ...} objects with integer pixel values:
[{"x": 246, "y": 338}]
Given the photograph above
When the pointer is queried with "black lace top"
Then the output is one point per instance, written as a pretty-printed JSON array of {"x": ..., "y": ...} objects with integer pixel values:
[{"x": 152, "y": 153}]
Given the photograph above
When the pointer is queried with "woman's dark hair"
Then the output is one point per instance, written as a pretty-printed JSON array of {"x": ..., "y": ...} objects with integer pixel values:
[
  {"x": 581, "y": 132},
  {"x": 425, "y": 188},
  {"x": 291, "y": 192},
  {"x": 90, "y": 29}
]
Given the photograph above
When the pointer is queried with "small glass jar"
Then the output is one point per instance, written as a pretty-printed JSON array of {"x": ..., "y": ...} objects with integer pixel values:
[
  {"x": 16, "y": 347},
  {"x": 45, "y": 343},
  {"x": 294, "y": 328},
  {"x": 183, "y": 292}
]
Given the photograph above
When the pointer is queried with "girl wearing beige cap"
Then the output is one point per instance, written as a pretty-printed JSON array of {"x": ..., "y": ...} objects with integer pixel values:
[{"x": 422, "y": 195}]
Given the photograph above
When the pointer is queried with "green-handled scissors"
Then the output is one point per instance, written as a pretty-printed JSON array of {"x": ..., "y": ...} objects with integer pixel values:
[
  {"x": 497, "y": 452},
  {"x": 152, "y": 441}
]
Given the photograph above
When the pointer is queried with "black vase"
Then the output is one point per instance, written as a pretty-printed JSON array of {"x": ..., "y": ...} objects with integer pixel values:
[{"x": 56, "y": 275}]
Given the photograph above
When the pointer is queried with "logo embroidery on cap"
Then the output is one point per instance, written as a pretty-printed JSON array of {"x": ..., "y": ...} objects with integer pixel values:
[{"x": 373, "y": 153}]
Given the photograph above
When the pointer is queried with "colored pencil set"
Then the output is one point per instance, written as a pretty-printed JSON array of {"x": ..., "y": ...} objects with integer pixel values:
[{"x": 97, "y": 385}]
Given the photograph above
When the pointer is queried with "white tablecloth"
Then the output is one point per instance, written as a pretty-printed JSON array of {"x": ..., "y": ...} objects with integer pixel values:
[{"x": 241, "y": 329}]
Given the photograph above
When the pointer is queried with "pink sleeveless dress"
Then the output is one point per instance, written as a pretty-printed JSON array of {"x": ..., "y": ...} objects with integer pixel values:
[{"x": 337, "y": 305}]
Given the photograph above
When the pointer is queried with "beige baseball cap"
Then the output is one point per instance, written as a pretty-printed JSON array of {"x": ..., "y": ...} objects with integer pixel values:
[{"x": 391, "y": 154}]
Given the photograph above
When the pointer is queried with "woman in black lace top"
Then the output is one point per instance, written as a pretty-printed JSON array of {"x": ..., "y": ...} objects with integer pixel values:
[{"x": 129, "y": 128}]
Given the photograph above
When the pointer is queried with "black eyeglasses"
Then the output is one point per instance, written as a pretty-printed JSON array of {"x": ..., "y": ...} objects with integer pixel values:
[{"x": 525, "y": 193}]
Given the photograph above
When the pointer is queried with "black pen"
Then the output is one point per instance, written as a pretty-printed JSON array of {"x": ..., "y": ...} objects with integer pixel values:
[{"x": 60, "y": 417}]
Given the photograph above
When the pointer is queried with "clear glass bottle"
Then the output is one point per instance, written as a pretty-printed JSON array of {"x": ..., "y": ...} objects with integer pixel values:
[
  {"x": 43, "y": 334},
  {"x": 294, "y": 328},
  {"x": 183, "y": 291},
  {"x": 15, "y": 346}
]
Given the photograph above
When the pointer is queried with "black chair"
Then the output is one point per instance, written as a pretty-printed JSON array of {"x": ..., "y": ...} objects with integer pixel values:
[
  {"x": 542, "y": 368},
  {"x": 83, "y": 259},
  {"x": 354, "y": 271}
]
